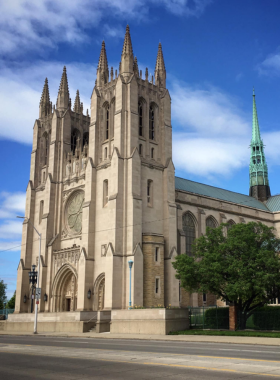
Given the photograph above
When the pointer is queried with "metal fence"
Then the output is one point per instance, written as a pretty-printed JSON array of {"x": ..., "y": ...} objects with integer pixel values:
[
  {"x": 209, "y": 317},
  {"x": 5, "y": 312}
]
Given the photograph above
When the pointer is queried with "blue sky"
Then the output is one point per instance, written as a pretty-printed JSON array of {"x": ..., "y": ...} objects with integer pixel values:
[{"x": 215, "y": 52}]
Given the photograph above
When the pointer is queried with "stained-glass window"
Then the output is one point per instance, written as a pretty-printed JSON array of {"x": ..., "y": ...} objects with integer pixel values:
[
  {"x": 189, "y": 229},
  {"x": 74, "y": 213},
  {"x": 140, "y": 115},
  {"x": 152, "y": 123},
  {"x": 230, "y": 223}
]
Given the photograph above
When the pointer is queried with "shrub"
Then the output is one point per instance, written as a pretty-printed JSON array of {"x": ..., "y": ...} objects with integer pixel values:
[
  {"x": 216, "y": 318},
  {"x": 267, "y": 318}
]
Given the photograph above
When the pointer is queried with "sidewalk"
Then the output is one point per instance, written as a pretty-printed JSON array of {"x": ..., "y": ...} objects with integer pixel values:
[{"x": 175, "y": 338}]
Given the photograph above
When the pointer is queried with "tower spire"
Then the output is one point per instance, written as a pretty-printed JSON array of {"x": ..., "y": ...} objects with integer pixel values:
[
  {"x": 160, "y": 72},
  {"x": 63, "y": 98},
  {"x": 45, "y": 104},
  {"x": 127, "y": 54},
  {"x": 102, "y": 68},
  {"x": 259, "y": 184},
  {"x": 77, "y": 104}
]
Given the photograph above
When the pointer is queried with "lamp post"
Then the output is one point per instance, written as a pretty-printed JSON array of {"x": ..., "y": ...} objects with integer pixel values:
[
  {"x": 38, "y": 276},
  {"x": 130, "y": 263},
  {"x": 32, "y": 280}
]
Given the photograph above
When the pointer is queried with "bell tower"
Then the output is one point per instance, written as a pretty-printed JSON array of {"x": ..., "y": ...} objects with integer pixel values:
[{"x": 259, "y": 184}]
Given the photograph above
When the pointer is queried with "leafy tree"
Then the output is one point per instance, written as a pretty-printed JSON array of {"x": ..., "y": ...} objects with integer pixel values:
[
  {"x": 11, "y": 302},
  {"x": 3, "y": 298},
  {"x": 241, "y": 266}
]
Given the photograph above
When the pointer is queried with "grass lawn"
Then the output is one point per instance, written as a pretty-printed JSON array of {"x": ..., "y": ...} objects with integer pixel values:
[{"x": 261, "y": 334}]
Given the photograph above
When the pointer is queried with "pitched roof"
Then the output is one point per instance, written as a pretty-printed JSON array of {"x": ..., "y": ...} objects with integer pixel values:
[
  {"x": 216, "y": 192},
  {"x": 273, "y": 203}
]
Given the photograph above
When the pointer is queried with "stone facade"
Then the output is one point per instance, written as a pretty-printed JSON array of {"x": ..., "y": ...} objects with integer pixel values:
[{"x": 102, "y": 192}]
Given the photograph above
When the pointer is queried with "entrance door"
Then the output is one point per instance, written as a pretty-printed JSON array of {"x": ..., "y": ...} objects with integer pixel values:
[{"x": 68, "y": 304}]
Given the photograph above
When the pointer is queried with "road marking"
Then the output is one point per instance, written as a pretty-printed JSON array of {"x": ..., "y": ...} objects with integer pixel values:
[{"x": 225, "y": 357}]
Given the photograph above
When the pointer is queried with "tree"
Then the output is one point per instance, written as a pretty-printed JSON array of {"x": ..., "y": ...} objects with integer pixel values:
[
  {"x": 11, "y": 302},
  {"x": 3, "y": 298},
  {"x": 240, "y": 266}
]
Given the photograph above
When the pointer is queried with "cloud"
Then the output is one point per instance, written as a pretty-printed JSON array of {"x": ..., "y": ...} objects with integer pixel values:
[
  {"x": 32, "y": 25},
  {"x": 271, "y": 65},
  {"x": 12, "y": 204},
  {"x": 212, "y": 132}
]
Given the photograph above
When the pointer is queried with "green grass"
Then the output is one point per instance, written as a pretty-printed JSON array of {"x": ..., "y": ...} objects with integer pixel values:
[{"x": 228, "y": 333}]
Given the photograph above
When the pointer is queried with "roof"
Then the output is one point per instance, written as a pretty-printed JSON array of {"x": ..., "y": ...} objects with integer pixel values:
[
  {"x": 273, "y": 203},
  {"x": 222, "y": 194}
]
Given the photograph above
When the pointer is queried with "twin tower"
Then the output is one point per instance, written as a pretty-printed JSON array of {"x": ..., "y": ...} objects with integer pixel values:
[{"x": 102, "y": 193}]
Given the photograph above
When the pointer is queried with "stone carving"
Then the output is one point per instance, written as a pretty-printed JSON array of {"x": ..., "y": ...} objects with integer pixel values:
[{"x": 73, "y": 215}]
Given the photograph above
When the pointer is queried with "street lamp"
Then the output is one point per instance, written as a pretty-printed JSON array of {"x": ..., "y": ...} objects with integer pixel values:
[
  {"x": 130, "y": 263},
  {"x": 38, "y": 276},
  {"x": 32, "y": 280}
]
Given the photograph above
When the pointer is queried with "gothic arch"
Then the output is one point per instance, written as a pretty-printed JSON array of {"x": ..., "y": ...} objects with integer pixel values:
[
  {"x": 105, "y": 104},
  {"x": 190, "y": 230},
  {"x": 99, "y": 292},
  {"x": 142, "y": 100},
  {"x": 211, "y": 222},
  {"x": 230, "y": 223},
  {"x": 65, "y": 274}
]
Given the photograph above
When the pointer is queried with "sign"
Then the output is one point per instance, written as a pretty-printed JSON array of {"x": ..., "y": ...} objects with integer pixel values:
[
  {"x": 37, "y": 302},
  {"x": 38, "y": 293}
]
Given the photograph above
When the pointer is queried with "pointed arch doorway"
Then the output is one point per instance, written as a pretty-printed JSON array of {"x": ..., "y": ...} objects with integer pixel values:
[
  {"x": 65, "y": 288},
  {"x": 99, "y": 292}
]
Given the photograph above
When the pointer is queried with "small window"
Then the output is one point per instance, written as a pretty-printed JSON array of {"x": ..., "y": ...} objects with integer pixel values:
[
  {"x": 44, "y": 176},
  {"x": 140, "y": 115},
  {"x": 152, "y": 123},
  {"x": 254, "y": 149},
  {"x": 105, "y": 153},
  {"x": 105, "y": 193},
  {"x": 140, "y": 149},
  {"x": 41, "y": 211},
  {"x": 157, "y": 254},
  {"x": 254, "y": 161},
  {"x": 258, "y": 148},
  {"x": 152, "y": 152},
  {"x": 258, "y": 161},
  {"x": 74, "y": 140},
  {"x": 149, "y": 192},
  {"x": 157, "y": 285},
  {"x": 204, "y": 297}
]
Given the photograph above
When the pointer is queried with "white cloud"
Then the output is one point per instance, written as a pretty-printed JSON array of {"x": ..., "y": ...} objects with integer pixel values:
[
  {"x": 213, "y": 133},
  {"x": 10, "y": 229},
  {"x": 12, "y": 204},
  {"x": 271, "y": 65},
  {"x": 9, "y": 246},
  {"x": 28, "y": 25}
]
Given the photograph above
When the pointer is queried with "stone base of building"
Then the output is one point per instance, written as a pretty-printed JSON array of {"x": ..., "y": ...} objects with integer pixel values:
[
  {"x": 77, "y": 321},
  {"x": 149, "y": 321}
]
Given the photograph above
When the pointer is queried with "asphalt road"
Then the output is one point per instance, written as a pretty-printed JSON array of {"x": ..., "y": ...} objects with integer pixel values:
[{"x": 37, "y": 357}]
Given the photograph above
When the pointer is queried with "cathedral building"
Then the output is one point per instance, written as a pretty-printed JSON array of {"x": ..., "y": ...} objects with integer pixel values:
[{"x": 103, "y": 192}]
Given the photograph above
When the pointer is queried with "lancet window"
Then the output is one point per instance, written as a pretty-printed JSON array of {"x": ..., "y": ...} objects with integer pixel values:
[
  {"x": 105, "y": 193},
  {"x": 211, "y": 222},
  {"x": 74, "y": 140},
  {"x": 152, "y": 123},
  {"x": 140, "y": 115},
  {"x": 150, "y": 192},
  {"x": 189, "y": 230},
  {"x": 107, "y": 124}
]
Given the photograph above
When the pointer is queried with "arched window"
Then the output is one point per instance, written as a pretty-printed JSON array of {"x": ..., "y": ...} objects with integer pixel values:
[
  {"x": 152, "y": 153},
  {"x": 152, "y": 123},
  {"x": 85, "y": 138},
  {"x": 74, "y": 140},
  {"x": 107, "y": 124},
  {"x": 211, "y": 222},
  {"x": 230, "y": 223},
  {"x": 45, "y": 149},
  {"x": 189, "y": 229},
  {"x": 150, "y": 192},
  {"x": 140, "y": 149},
  {"x": 140, "y": 115},
  {"x": 105, "y": 193}
]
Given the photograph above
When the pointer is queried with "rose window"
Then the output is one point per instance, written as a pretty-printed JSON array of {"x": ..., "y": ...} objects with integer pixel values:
[{"x": 74, "y": 212}]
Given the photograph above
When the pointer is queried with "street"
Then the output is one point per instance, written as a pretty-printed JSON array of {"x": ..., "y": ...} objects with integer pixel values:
[{"x": 34, "y": 357}]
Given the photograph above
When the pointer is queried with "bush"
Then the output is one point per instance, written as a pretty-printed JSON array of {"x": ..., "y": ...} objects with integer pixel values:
[
  {"x": 267, "y": 318},
  {"x": 217, "y": 318}
]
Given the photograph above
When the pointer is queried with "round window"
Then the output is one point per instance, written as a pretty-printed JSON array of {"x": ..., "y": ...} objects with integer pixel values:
[{"x": 73, "y": 213}]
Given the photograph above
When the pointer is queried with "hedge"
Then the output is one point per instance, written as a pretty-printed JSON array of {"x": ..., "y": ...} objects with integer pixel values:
[{"x": 217, "y": 318}]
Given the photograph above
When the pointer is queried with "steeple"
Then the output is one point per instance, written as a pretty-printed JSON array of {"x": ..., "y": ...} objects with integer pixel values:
[
  {"x": 259, "y": 184},
  {"x": 160, "y": 72},
  {"x": 63, "y": 98},
  {"x": 77, "y": 104},
  {"x": 127, "y": 54},
  {"x": 135, "y": 67},
  {"x": 45, "y": 107},
  {"x": 102, "y": 68}
]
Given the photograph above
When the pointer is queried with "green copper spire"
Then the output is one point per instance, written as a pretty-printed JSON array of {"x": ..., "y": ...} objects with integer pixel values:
[{"x": 259, "y": 184}]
